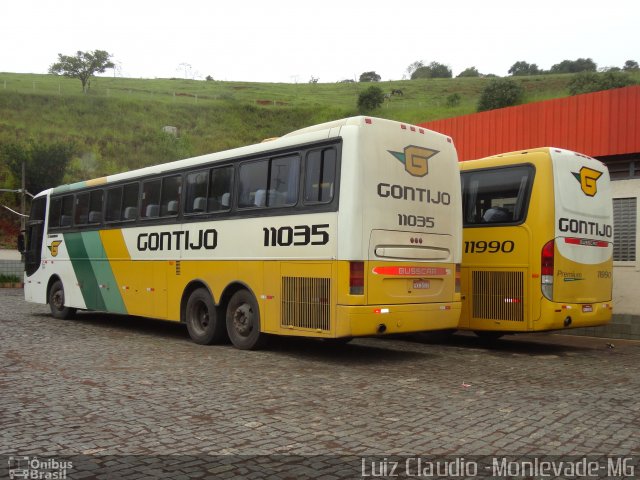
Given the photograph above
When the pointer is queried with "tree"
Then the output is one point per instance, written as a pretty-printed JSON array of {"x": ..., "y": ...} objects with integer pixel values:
[
  {"x": 574, "y": 66},
  {"x": 82, "y": 66},
  {"x": 370, "y": 99},
  {"x": 469, "y": 72},
  {"x": 369, "y": 77},
  {"x": 45, "y": 163},
  {"x": 523, "y": 68},
  {"x": 433, "y": 70},
  {"x": 414, "y": 66},
  {"x": 631, "y": 66},
  {"x": 586, "y": 82},
  {"x": 500, "y": 93}
]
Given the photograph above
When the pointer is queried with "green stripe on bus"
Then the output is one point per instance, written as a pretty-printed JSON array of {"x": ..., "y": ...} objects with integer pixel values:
[
  {"x": 105, "y": 278},
  {"x": 67, "y": 188},
  {"x": 84, "y": 271}
]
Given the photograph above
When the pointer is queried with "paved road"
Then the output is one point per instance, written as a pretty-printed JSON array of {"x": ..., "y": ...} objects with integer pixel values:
[{"x": 101, "y": 388}]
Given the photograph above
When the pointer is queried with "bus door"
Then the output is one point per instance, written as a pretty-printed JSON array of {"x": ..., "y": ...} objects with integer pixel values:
[
  {"x": 495, "y": 250},
  {"x": 34, "y": 236}
]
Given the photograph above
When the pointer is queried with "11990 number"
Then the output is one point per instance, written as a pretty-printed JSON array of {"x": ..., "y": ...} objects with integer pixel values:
[{"x": 494, "y": 246}]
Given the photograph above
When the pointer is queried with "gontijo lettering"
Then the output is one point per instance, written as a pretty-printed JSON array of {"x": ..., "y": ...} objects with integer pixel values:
[
  {"x": 422, "y": 195},
  {"x": 584, "y": 227},
  {"x": 178, "y": 240}
]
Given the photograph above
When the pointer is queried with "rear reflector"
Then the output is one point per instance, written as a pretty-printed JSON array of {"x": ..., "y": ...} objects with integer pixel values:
[
  {"x": 356, "y": 278},
  {"x": 546, "y": 268}
]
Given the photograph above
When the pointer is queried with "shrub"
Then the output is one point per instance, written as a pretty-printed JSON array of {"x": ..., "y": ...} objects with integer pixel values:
[
  {"x": 370, "y": 99},
  {"x": 586, "y": 82},
  {"x": 500, "y": 93},
  {"x": 453, "y": 100}
]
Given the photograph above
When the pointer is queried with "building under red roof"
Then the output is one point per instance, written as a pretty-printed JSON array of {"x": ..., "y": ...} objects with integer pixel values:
[{"x": 597, "y": 124}]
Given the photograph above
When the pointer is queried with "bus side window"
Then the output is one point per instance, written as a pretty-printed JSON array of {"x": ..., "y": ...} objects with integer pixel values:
[
  {"x": 150, "y": 206},
  {"x": 221, "y": 181},
  {"x": 130, "y": 201},
  {"x": 320, "y": 172},
  {"x": 282, "y": 189},
  {"x": 196, "y": 192},
  {"x": 55, "y": 211},
  {"x": 253, "y": 184},
  {"x": 171, "y": 189},
  {"x": 66, "y": 215},
  {"x": 95, "y": 207},
  {"x": 113, "y": 204},
  {"x": 81, "y": 214}
]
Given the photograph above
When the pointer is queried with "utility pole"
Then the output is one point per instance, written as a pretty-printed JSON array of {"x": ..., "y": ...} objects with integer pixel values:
[{"x": 23, "y": 218}]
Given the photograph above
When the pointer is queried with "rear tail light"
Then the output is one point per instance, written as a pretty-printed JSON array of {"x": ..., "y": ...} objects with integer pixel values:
[
  {"x": 356, "y": 278},
  {"x": 457, "y": 278},
  {"x": 546, "y": 269}
]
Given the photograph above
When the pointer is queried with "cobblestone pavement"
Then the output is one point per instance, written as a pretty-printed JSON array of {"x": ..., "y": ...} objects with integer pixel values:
[{"x": 104, "y": 386}]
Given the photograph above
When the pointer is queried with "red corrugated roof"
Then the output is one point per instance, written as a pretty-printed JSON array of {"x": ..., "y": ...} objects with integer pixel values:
[{"x": 596, "y": 124}]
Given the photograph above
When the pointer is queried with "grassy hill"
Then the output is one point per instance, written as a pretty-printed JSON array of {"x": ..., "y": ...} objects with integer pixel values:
[{"x": 117, "y": 126}]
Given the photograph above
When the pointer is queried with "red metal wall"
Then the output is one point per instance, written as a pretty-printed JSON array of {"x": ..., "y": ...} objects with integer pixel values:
[{"x": 596, "y": 124}]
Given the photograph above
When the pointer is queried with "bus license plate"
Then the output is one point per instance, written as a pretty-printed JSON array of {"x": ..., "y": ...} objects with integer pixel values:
[
  {"x": 587, "y": 308},
  {"x": 421, "y": 284}
]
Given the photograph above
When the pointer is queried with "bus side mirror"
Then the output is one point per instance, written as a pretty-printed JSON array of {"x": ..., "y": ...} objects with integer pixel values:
[{"x": 21, "y": 242}]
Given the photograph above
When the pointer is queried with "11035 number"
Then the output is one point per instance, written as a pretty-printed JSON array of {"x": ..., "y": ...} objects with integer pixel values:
[{"x": 299, "y": 235}]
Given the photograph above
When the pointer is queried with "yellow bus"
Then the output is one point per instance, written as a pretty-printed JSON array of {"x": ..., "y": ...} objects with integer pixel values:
[
  {"x": 345, "y": 229},
  {"x": 537, "y": 242}
]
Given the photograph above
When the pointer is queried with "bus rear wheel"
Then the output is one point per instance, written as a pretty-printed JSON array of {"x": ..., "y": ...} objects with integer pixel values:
[
  {"x": 201, "y": 317},
  {"x": 243, "y": 321},
  {"x": 56, "y": 302}
]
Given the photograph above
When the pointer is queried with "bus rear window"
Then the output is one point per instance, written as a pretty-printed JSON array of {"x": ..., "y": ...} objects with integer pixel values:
[{"x": 496, "y": 195}]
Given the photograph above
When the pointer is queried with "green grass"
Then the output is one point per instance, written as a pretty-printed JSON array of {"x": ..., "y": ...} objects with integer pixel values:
[{"x": 117, "y": 125}]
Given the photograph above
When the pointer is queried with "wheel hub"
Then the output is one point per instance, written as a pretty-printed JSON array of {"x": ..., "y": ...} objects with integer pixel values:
[{"x": 242, "y": 320}]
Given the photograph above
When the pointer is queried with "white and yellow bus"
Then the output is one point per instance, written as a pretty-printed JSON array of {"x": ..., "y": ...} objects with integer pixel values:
[
  {"x": 349, "y": 228},
  {"x": 537, "y": 242}
]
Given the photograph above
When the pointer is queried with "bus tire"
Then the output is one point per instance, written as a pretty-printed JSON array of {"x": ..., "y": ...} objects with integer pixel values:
[
  {"x": 56, "y": 302},
  {"x": 201, "y": 317},
  {"x": 243, "y": 321}
]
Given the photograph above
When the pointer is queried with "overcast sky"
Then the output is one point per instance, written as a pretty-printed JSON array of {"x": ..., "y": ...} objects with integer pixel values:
[{"x": 291, "y": 41}]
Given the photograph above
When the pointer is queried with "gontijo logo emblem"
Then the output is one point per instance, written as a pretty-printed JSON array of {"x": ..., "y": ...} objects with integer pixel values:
[
  {"x": 53, "y": 248},
  {"x": 415, "y": 159},
  {"x": 588, "y": 178}
]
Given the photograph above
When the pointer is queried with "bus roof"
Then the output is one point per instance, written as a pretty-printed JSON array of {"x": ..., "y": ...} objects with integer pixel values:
[{"x": 314, "y": 132}]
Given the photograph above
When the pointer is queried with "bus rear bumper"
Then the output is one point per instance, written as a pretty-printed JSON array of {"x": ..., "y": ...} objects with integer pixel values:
[
  {"x": 356, "y": 321},
  {"x": 555, "y": 316}
]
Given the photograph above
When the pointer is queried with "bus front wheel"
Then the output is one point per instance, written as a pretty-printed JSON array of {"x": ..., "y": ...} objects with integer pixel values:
[
  {"x": 201, "y": 317},
  {"x": 56, "y": 302},
  {"x": 243, "y": 321}
]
